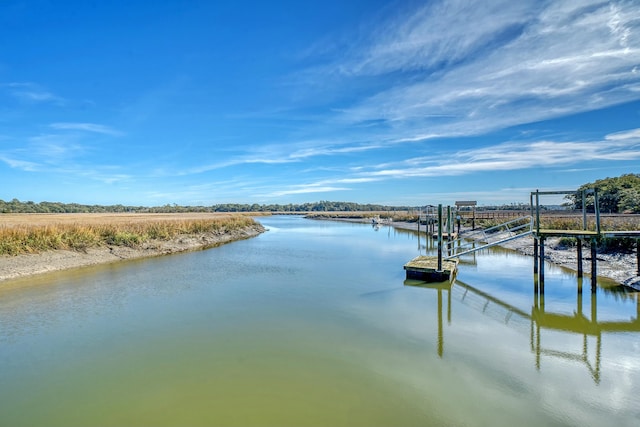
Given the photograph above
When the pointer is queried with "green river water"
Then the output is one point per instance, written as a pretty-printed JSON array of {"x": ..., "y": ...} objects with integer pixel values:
[{"x": 312, "y": 324}]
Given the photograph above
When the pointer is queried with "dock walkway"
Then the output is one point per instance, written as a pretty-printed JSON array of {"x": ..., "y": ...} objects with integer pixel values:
[{"x": 529, "y": 225}]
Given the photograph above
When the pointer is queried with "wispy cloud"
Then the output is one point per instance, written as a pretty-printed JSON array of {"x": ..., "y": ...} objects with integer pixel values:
[
  {"x": 54, "y": 149},
  {"x": 628, "y": 134},
  {"x": 304, "y": 189},
  {"x": 293, "y": 152},
  {"x": 509, "y": 156},
  {"x": 104, "y": 174},
  {"x": 32, "y": 93},
  {"x": 86, "y": 127},
  {"x": 321, "y": 186},
  {"x": 458, "y": 69},
  {"x": 19, "y": 164},
  {"x": 61, "y": 154}
]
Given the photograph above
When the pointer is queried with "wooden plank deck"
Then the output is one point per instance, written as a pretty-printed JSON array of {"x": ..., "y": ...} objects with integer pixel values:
[
  {"x": 565, "y": 233},
  {"x": 586, "y": 233}
]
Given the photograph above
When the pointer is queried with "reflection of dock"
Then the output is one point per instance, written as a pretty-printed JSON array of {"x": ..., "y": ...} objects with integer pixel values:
[
  {"x": 446, "y": 236},
  {"x": 439, "y": 287},
  {"x": 537, "y": 321}
]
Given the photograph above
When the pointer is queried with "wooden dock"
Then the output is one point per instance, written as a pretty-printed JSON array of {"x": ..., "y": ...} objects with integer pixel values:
[
  {"x": 444, "y": 266},
  {"x": 584, "y": 235},
  {"x": 426, "y": 268}
]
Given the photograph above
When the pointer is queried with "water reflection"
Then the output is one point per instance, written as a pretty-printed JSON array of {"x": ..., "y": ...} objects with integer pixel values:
[
  {"x": 541, "y": 321},
  {"x": 439, "y": 288},
  {"x": 309, "y": 324}
]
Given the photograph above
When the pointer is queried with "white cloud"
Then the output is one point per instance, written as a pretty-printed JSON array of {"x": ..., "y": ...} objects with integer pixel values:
[
  {"x": 86, "y": 127},
  {"x": 304, "y": 189},
  {"x": 455, "y": 68},
  {"x": 32, "y": 93},
  {"x": 438, "y": 33},
  {"x": 294, "y": 152},
  {"x": 507, "y": 156},
  {"x": 52, "y": 149},
  {"x": 627, "y": 134},
  {"x": 20, "y": 164},
  {"x": 500, "y": 157}
]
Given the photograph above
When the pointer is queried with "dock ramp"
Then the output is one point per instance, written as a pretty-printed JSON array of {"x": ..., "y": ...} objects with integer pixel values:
[{"x": 485, "y": 238}]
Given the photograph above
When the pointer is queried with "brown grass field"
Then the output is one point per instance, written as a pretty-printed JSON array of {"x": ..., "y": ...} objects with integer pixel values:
[
  {"x": 35, "y": 233},
  {"x": 13, "y": 220}
]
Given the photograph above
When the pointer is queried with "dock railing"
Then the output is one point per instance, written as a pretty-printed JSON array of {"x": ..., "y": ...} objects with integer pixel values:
[{"x": 485, "y": 238}]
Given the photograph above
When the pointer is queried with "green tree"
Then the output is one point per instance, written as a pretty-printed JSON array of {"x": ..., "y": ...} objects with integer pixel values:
[
  {"x": 615, "y": 195},
  {"x": 630, "y": 200}
]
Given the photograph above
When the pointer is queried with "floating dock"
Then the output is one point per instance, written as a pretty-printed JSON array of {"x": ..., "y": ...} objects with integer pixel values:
[{"x": 426, "y": 268}]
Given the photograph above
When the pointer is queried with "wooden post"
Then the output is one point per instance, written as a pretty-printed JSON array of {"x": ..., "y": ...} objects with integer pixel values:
[
  {"x": 473, "y": 219},
  {"x": 594, "y": 273},
  {"x": 448, "y": 230},
  {"x": 638, "y": 255},
  {"x": 596, "y": 206},
  {"x": 579, "y": 254},
  {"x": 440, "y": 237},
  {"x": 531, "y": 205},
  {"x": 440, "y": 334},
  {"x": 535, "y": 255},
  {"x": 449, "y": 305},
  {"x": 584, "y": 209},
  {"x": 541, "y": 268},
  {"x": 537, "y": 212},
  {"x": 579, "y": 302}
]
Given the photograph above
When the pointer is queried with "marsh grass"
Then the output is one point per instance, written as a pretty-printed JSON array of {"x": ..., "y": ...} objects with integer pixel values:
[
  {"x": 607, "y": 223},
  {"x": 36, "y": 238}
]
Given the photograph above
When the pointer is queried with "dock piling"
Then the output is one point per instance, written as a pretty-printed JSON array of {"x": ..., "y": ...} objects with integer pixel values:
[
  {"x": 440, "y": 237},
  {"x": 448, "y": 230},
  {"x": 579, "y": 256},
  {"x": 594, "y": 276},
  {"x": 541, "y": 266},
  {"x": 535, "y": 255},
  {"x": 638, "y": 255}
]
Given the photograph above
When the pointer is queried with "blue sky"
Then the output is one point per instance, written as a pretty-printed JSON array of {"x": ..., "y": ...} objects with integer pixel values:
[{"x": 370, "y": 101}]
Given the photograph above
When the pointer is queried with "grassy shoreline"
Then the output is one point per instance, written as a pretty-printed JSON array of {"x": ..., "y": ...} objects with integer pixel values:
[
  {"x": 44, "y": 243},
  {"x": 82, "y": 232}
]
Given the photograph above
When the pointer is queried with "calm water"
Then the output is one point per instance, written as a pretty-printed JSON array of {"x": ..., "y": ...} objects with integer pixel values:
[{"x": 311, "y": 323}]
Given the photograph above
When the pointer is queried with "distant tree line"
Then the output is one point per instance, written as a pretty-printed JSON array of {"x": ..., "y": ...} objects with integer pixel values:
[
  {"x": 615, "y": 195},
  {"x": 16, "y": 206}
]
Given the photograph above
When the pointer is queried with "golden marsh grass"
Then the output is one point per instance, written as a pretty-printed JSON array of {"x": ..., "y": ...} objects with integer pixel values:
[{"x": 34, "y": 233}]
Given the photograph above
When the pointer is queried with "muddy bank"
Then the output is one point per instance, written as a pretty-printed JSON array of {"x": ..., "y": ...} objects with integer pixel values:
[
  {"x": 620, "y": 267},
  {"x": 27, "y": 265}
]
